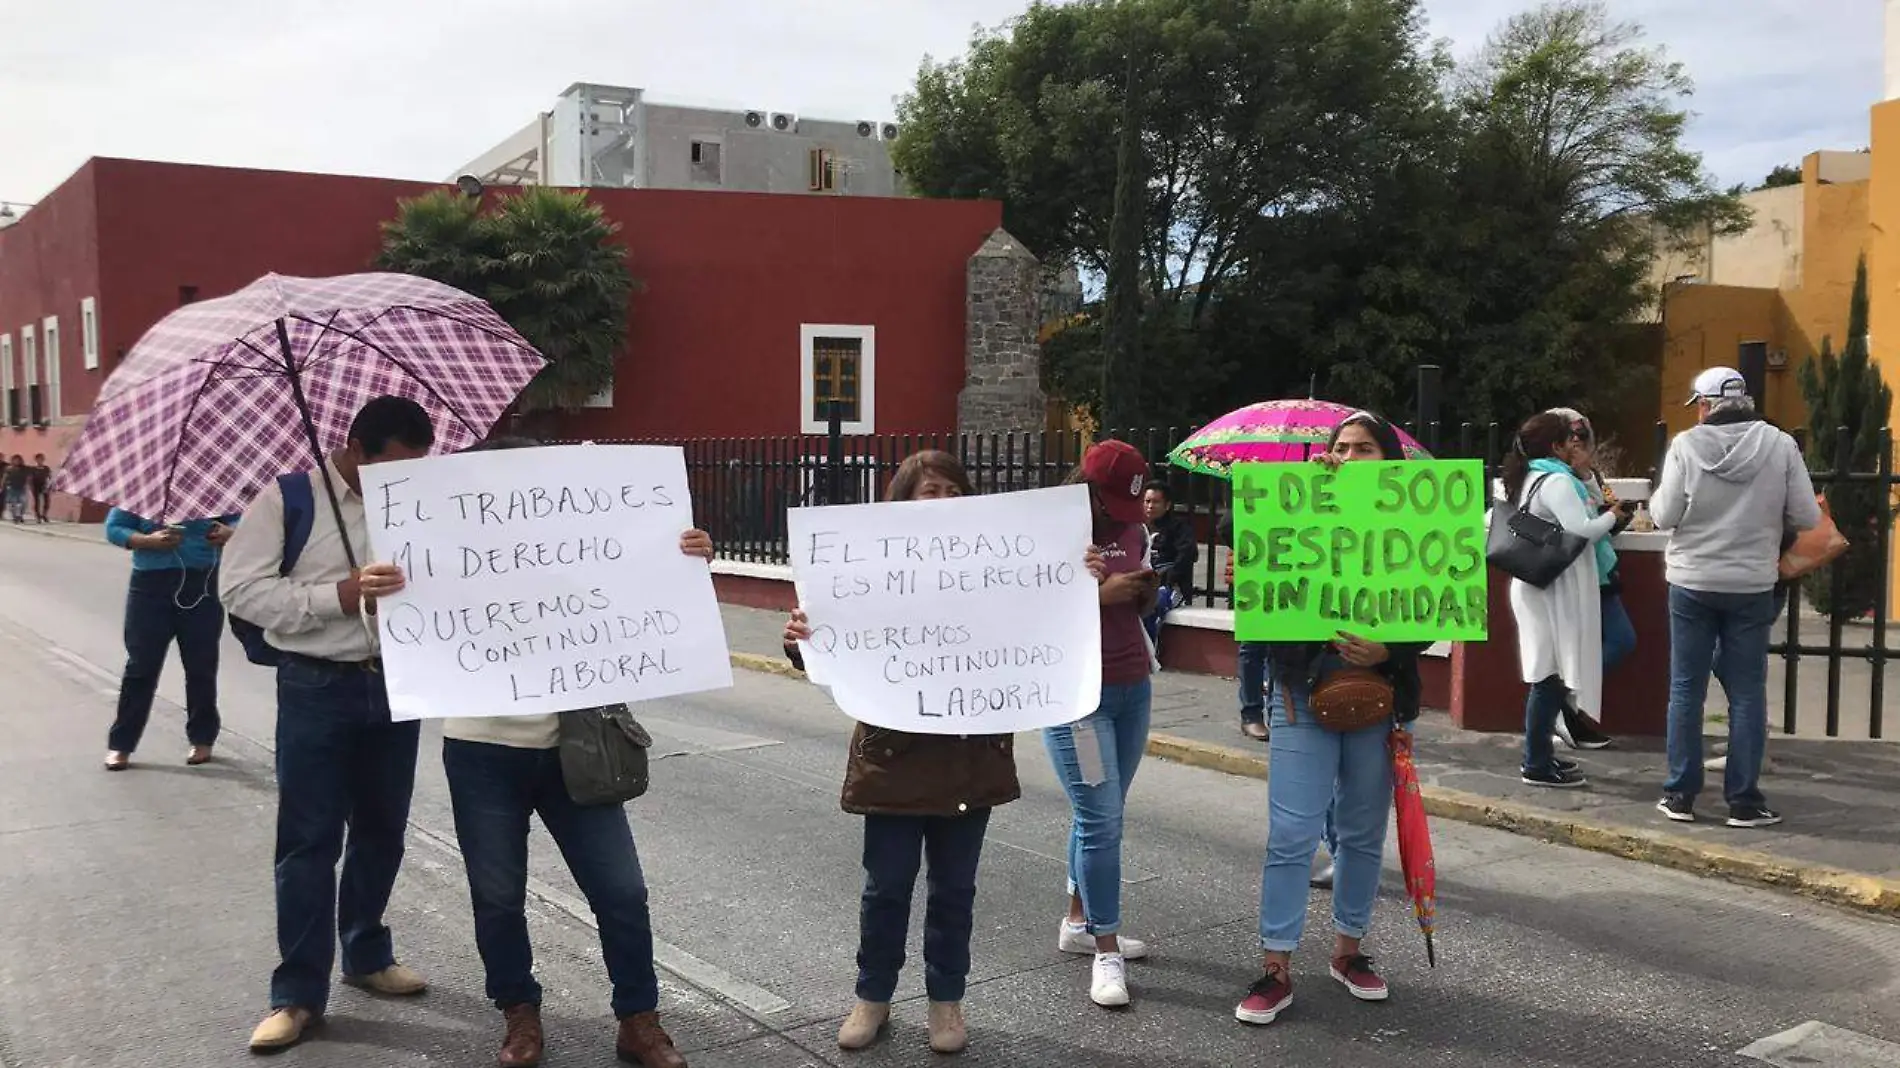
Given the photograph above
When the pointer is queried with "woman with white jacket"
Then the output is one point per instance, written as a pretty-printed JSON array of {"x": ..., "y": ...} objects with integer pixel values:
[{"x": 1559, "y": 628}]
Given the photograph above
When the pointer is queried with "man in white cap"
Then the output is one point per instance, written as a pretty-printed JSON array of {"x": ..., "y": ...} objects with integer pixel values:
[{"x": 1730, "y": 487}]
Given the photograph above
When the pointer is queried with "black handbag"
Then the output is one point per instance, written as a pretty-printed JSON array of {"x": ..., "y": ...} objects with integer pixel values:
[
  {"x": 603, "y": 755},
  {"x": 1529, "y": 547}
]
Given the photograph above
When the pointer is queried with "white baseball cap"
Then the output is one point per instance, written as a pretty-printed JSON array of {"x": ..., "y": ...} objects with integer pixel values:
[{"x": 1717, "y": 383}]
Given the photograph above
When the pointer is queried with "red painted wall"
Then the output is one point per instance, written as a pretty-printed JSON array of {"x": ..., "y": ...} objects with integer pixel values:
[
  {"x": 49, "y": 262},
  {"x": 714, "y": 347},
  {"x": 164, "y": 225},
  {"x": 729, "y": 278}
]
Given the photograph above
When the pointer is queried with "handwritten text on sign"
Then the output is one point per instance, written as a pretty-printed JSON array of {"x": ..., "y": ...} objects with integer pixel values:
[
  {"x": 540, "y": 580},
  {"x": 970, "y": 616},
  {"x": 1390, "y": 551}
]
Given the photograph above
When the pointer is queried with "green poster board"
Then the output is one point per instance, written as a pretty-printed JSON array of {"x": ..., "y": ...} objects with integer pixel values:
[{"x": 1389, "y": 551}]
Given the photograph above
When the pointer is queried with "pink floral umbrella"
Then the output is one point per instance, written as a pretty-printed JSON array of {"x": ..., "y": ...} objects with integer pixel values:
[{"x": 1277, "y": 431}]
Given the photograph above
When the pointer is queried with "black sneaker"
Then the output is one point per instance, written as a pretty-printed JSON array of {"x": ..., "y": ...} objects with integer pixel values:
[
  {"x": 1678, "y": 807},
  {"x": 1579, "y": 731},
  {"x": 1563, "y": 765},
  {"x": 1555, "y": 779},
  {"x": 1752, "y": 816}
]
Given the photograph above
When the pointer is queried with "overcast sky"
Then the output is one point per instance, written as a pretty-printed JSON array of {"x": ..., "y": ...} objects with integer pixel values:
[{"x": 414, "y": 88}]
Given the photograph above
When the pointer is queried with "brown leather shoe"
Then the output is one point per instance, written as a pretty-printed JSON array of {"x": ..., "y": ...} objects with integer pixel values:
[
  {"x": 644, "y": 1042},
  {"x": 521, "y": 1046}
]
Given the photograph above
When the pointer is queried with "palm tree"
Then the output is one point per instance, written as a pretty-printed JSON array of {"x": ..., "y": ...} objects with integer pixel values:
[{"x": 546, "y": 260}]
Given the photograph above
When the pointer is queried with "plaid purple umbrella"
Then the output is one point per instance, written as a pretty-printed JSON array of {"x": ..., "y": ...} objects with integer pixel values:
[{"x": 224, "y": 395}]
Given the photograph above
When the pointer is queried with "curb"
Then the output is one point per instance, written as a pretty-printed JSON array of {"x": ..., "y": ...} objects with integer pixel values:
[
  {"x": 1866, "y": 893},
  {"x": 56, "y": 530}
]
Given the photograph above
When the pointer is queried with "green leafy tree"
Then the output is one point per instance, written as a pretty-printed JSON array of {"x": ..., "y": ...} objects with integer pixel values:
[
  {"x": 1213, "y": 119},
  {"x": 1784, "y": 174},
  {"x": 1576, "y": 177},
  {"x": 1847, "y": 392},
  {"x": 546, "y": 260}
]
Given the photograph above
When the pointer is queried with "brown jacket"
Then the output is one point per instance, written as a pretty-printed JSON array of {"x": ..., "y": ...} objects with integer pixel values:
[{"x": 897, "y": 773}]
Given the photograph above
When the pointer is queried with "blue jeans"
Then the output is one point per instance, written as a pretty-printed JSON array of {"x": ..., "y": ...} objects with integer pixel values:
[
  {"x": 340, "y": 762},
  {"x": 1725, "y": 634},
  {"x": 162, "y": 606},
  {"x": 1250, "y": 663},
  {"x": 494, "y": 789},
  {"x": 1165, "y": 600},
  {"x": 893, "y": 848},
  {"x": 1619, "y": 634},
  {"x": 1541, "y": 708},
  {"x": 1317, "y": 773},
  {"x": 1096, "y": 758}
]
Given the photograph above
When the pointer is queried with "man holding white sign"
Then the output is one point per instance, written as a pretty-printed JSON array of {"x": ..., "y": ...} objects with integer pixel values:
[{"x": 555, "y": 568}]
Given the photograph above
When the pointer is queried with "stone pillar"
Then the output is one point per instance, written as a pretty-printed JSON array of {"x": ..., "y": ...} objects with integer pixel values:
[{"x": 1002, "y": 362}]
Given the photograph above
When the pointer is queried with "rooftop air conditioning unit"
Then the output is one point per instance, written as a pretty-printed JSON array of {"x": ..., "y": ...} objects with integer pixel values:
[
  {"x": 783, "y": 122},
  {"x": 866, "y": 128},
  {"x": 889, "y": 132},
  {"x": 754, "y": 119}
]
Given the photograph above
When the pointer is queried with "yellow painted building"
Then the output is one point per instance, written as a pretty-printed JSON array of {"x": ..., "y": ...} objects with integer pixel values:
[{"x": 1786, "y": 282}]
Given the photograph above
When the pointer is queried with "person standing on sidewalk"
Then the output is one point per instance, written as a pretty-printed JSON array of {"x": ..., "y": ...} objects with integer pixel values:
[
  {"x": 926, "y": 799},
  {"x": 1096, "y": 757},
  {"x": 1574, "y": 728},
  {"x": 1322, "y": 778},
  {"x": 341, "y": 761},
  {"x": 1250, "y": 659},
  {"x": 1731, "y": 486},
  {"x": 172, "y": 596},
  {"x": 13, "y": 488},
  {"x": 503, "y": 770},
  {"x": 39, "y": 483},
  {"x": 1559, "y": 627}
]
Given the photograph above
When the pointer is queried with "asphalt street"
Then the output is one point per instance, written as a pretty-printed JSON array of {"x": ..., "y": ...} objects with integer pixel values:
[{"x": 135, "y": 909}]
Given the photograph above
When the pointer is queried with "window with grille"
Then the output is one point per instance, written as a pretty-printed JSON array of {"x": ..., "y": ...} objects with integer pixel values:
[
  {"x": 839, "y": 364},
  {"x": 835, "y": 368}
]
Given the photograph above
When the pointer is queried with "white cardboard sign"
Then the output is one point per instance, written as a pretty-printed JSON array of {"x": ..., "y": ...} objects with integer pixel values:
[
  {"x": 541, "y": 580},
  {"x": 966, "y": 616}
]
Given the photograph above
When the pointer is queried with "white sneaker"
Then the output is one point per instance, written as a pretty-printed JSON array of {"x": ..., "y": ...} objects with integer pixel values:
[
  {"x": 1323, "y": 878},
  {"x": 1108, "y": 986},
  {"x": 1076, "y": 939}
]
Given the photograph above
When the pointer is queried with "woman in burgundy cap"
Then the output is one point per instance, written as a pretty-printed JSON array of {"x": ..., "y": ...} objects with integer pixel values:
[{"x": 1096, "y": 756}]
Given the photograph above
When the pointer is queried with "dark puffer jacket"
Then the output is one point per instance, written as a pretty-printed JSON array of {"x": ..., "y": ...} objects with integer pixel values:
[{"x": 898, "y": 773}]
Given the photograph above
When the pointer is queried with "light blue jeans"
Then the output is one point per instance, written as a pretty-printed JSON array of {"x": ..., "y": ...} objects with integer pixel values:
[
  {"x": 1312, "y": 770},
  {"x": 1096, "y": 758}
]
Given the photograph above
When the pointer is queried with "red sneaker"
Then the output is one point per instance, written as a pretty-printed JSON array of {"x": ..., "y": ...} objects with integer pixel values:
[
  {"x": 1265, "y": 999},
  {"x": 1356, "y": 973}
]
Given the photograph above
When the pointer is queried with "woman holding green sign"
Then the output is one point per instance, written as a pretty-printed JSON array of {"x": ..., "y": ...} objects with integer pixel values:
[{"x": 1317, "y": 769}]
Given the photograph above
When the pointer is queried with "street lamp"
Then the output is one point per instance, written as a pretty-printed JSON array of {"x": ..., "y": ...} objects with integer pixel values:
[{"x": 7, "y": 215}]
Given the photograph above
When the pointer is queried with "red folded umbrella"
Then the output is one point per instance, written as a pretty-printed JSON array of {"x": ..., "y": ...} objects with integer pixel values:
[{"x": 1415, "y": 839}]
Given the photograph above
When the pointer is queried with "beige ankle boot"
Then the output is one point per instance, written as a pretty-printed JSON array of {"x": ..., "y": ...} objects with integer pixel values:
[
  {"x": 862, "y": 1027},
  {"x": 948, "y": 1033}
]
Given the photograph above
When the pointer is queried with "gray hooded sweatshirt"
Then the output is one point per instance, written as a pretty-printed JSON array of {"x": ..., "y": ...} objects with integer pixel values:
[{"x": 1729, "y": 490}]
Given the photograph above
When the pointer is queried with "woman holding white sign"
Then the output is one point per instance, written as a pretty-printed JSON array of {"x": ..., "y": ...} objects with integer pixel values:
[
  {"x": 1321, "y": 771},
  {"x": 503, "y": 770},
  {"x": 1097, "y": 756},
  {"x": 923, "y": 797}
]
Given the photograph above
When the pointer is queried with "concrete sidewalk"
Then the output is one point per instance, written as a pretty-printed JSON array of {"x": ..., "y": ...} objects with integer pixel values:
[{"x": 1840, "y": 843}]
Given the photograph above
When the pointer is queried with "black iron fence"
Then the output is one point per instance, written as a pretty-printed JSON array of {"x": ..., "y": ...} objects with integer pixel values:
[{"x": 743, "y": 488}]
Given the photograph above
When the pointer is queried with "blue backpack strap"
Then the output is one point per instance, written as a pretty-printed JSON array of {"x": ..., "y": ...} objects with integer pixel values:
[{"x": 299, "y": 511}]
